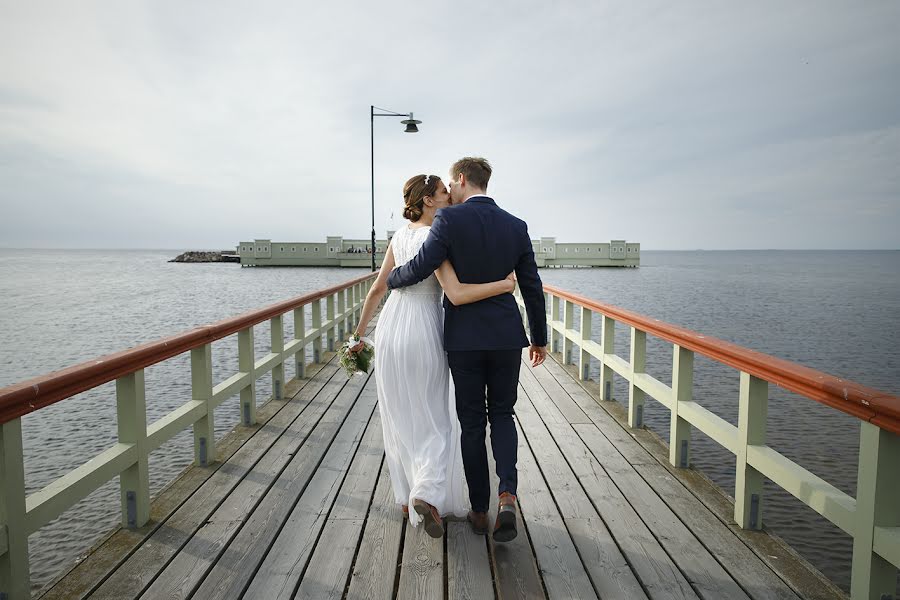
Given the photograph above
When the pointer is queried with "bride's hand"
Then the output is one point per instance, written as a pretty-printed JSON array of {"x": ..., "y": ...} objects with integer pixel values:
[
  {"x": 356, "y": 348},
  {"x": 511, "y": 282}
]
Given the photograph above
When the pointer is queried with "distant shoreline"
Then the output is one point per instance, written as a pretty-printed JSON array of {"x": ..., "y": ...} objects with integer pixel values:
[{"x": 207, "y": 256}]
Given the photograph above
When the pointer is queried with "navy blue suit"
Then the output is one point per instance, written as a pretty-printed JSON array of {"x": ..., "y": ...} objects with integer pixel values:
[{"x": 483, "y": 340}]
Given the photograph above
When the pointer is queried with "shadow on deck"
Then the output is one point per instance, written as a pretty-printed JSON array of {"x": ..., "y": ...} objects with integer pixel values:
[{"x": 301, "y": 506}]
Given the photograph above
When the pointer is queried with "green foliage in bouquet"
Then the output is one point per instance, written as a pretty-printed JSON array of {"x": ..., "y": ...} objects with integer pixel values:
[{"x": 357, "y": 362}]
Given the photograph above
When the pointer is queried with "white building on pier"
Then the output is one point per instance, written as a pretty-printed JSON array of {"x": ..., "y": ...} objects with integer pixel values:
[{"x": 337, "y": 251}]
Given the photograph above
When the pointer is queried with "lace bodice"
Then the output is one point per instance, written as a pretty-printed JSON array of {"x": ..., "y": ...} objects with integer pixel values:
[{"x": 406, "y": 244}]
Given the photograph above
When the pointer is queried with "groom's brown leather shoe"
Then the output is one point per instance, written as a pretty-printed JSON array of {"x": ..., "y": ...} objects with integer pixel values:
[
  {"x": 434, "y": 526},
  {"x": 479, "y": 521},
  {"x": 505, "y": 527}
]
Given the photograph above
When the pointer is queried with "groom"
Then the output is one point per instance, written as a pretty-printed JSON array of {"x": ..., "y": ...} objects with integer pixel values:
[{"x": 484, "y": 340}]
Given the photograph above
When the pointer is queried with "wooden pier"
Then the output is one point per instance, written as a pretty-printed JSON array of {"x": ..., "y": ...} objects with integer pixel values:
[
  {"x": 296, "y": 501},
  {"x": 300, "y": 506}
]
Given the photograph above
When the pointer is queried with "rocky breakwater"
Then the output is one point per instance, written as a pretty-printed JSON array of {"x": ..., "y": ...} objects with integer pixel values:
[{"x": 203, "y": 256}]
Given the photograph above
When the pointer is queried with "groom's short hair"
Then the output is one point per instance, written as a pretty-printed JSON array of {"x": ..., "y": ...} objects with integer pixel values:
[{"x": 476, "y": 169}]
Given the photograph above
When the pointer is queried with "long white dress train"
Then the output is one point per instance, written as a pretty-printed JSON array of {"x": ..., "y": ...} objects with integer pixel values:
[{"x": 415, "y": 393}]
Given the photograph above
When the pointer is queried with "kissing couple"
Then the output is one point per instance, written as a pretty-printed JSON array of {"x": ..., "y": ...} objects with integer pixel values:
[{"x": 444, "y": 372}]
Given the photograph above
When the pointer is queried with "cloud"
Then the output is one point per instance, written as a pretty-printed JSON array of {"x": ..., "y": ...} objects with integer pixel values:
[{"x": 205, "y": 123}]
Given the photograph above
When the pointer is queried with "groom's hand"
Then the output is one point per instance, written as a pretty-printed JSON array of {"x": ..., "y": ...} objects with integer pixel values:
[{"x": 537, "y": 354}]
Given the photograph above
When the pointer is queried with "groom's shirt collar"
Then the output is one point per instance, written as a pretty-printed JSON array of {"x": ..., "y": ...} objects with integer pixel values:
[{"x": 480, "y": 198}]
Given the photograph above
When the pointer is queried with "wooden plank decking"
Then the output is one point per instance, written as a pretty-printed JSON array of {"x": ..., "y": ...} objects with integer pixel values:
[{"x": 300, "y": 506}]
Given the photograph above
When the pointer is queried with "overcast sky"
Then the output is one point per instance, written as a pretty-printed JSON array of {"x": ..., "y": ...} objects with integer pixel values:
[{"x": 172, "y": 124}]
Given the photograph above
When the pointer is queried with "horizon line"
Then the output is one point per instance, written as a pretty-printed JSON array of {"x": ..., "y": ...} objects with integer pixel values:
[{"x": 212, "y": 249}]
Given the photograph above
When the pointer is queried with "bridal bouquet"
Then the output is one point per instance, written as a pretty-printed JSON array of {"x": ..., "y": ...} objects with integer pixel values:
[{"x": 360, "y": 360}]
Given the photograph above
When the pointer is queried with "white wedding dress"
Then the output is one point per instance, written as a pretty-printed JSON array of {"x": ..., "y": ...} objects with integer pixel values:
[{"x": 415, "y": 393}]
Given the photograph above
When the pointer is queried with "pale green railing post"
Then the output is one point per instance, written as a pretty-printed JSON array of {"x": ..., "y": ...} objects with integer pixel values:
[
  {"x": 329, "y": 317},
  {"x": 877, "y": 505},
  {"x": 134, "y": 482},
  {"x": 202, "y": 389},
  {"x": 349, "y": 323},
  {"x": 15, "y": 580},
  {"x": 753, "y": 408},
  {"x": 277, "y": 328},
  {"x": 358, "y": 298},
  {"x": 342, "y": 320},
  {"x": 362, "y": 292},
  {"x": 517, "y": 294},
  {"x": 608, "y": 347},
  {"x": 548, "y": 302},
  {"x": 246, "y": 364},
  {"x": 554, "y": 315},
  {"x": 636, "y": 395},
  {"x": 682, "y": 391},
  {"x": 299, "y": 334},
  {"x": 351, "y": 306},
  {"x": 584, "y": 359},
  {"x": 317, "y": 326},
  {"x": 568, "y": 318}
]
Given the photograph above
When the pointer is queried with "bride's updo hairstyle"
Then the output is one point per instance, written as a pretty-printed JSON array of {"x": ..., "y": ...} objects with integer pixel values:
[{"x": 414, "y": 192}]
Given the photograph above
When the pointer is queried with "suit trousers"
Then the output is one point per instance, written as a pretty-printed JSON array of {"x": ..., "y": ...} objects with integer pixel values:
[{"x": 486, "y": 382}]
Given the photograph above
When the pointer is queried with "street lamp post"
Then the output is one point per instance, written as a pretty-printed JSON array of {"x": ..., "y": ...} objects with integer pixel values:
[{"x": 411, "y": 127}]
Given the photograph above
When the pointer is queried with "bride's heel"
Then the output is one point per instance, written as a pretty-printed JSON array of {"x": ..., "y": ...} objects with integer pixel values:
[{"x": 430, "y": 518}]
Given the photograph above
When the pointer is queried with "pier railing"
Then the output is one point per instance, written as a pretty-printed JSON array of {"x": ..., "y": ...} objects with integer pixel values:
[
  {"x": 872, "y": 518},
  {"x": 22, "y": 515}
]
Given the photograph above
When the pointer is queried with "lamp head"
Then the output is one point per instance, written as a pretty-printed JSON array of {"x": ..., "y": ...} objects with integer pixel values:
[{"x": 411, "y": 124}]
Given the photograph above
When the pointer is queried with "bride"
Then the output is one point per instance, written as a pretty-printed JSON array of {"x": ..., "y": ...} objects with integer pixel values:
[{"x": 415, "y": 396}]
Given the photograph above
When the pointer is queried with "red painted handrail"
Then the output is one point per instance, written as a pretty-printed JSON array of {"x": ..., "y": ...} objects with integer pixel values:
[
  {"x": 877, "y": 407},
  {"x": 28, "y": 396}
]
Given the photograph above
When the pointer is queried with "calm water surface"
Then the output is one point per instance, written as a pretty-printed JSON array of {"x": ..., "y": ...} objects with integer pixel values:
[{"x": 834, "y": 311}]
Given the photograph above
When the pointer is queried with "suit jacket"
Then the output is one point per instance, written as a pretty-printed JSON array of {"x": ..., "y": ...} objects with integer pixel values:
[{"x": 484, "y": 243}]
